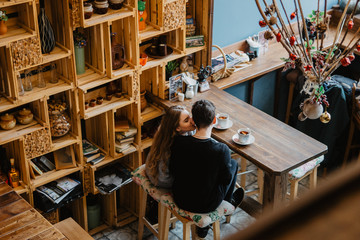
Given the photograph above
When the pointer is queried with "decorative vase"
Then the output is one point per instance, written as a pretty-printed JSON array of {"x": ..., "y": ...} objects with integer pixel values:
[
  {"x": 117, "y": 54},
  {"x": 3, "y": 28},
  {"x": 47, "y": 37},
  {"x": 80, "y": 60},
  {"x": 94, "y": 213},
  {"x": 143, "y": 102},
  {"x": 351, "y": 6}
]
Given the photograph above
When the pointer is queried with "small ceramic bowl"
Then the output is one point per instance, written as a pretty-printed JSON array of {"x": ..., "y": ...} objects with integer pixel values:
[
  {"x": 86, "y": 105},
  {"x": 109, "y": 97},
  {"x": 92, "y": 103},
  {"x": 99, "y": 100},
  {"x": 118, "y": 94}
]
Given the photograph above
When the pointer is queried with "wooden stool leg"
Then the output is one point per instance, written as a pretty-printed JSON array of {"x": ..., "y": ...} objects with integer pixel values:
[
  {"x": 243, "y": 169},
  {"x": 228, "y": 218},
  {"x": 186, "y": 230},
  {"x": 164, "y": 222},
  {"x": 173, "y": 224},
  {"x": 313, "y": 178},
  {"x": 260, "y": 182},
  {"x": 216, "y": 230},
  {"x": 193, "y": 231},
  {"x": 293, "y": 189},
  {"x": 143, "y": 199},
  {"x": 290, "y": 98}
]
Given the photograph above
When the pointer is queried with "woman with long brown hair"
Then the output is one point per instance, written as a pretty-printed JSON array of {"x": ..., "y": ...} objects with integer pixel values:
[{"x": 177, "y": 120}]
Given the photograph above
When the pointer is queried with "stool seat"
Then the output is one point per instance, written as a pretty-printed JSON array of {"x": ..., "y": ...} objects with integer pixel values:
[
  {"x": 140, "y": 178},
  {"x": 305, "y": 168},
  {"x": 199, "y": 219}
]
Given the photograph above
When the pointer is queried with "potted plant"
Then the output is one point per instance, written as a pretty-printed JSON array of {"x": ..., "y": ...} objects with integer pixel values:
[
  {"x": 170, "y": 67},
  {"x": 80, "y": 43},
  {"x": 3, "y": 19}
]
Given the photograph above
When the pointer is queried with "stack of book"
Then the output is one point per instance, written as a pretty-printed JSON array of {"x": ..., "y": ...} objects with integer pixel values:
[
  {"x": 58, "y": 189},
  {"x": 40, "y": 166},
  {"x": 91, "y": 153},
  {"x": 125, "y": 135}
]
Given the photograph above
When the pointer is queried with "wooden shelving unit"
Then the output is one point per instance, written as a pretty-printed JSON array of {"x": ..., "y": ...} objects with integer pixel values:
[{"x": 96, "y": 123}]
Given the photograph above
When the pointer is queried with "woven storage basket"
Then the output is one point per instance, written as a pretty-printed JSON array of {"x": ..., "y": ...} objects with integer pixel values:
[{"x": 222, "y": 73}]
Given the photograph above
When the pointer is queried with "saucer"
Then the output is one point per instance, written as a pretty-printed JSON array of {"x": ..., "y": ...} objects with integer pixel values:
[
  {"x": 248, "y": 142},
  {"x": 218, "y": 127}
]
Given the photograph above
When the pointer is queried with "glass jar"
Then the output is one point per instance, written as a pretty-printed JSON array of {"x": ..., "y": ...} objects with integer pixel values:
[
  {"x": 88, "y": 10},
  {"x": 7, "y": 121},
  {"x": 116, "y": 4},
  {"x": 27, "y": 82},
  {"x": 20, "y": 85},
  {"x": 59, "y": 120},
  {"x": 189, "y": 91},
  {"x": 25, "y": 116},
  {"x": 41, "y": 81},
  {"x": 53, "y": 74},
  {"x": 101, "y": 6}
]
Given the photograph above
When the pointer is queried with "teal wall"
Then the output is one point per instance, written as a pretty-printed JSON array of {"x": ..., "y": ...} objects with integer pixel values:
[{"x": 235, "y": 20}]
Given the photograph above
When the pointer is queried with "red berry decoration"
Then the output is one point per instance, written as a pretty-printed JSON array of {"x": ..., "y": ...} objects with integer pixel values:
[
  {"x": 293, "y": 56},
  {"x": 345, "y": 61},
  {"x": 278, "y": 37},
  {"x": 292, "y": 16},
  {"x": 350, "y": 24},
  {"x": 262, "y": 23},
  {"x": 351, "y": 57},
  {"x": 292, "y": 40},
  {"x": 358, "y": 47},
  {"x": 308, "y": 67}
]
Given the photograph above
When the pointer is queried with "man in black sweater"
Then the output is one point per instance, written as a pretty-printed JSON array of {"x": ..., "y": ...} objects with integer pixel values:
[{"x": 204, "y": 174}]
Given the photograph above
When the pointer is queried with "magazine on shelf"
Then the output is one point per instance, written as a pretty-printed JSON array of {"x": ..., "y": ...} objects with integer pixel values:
[
  {"x": 131, "y": 132},
  {"x": 57, "y": 190},
  {"x": 97, "y": 160},
  {"x": 232, "y": 59},
  {"x": 89, "y": 148},
  {"x": 112, "y": 178},
  {"x": 91, "y": 157}
]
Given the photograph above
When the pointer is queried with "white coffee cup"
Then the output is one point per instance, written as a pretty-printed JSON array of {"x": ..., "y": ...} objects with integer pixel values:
[
  {"x": 244, "y": 134},
  {"x": 181, "y": 97},
  {"x": 223, "y": 119}
]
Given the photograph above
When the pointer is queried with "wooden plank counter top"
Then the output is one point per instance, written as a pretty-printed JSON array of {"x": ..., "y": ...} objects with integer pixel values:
[
  {"x": 19, "y": 220},
  {"x": 278, "y": 148}
]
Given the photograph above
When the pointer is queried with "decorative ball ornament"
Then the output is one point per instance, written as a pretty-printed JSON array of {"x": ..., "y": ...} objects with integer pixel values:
[{"x": 325, "y": 117}]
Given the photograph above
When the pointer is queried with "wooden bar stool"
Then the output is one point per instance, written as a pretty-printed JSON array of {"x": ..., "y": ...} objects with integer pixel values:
[
  {"x": 189, "y": 219},
  {"x": 147, "y": 188},
  {"x": 297, "y": 174},
  {"x": 354, "y": 123}
]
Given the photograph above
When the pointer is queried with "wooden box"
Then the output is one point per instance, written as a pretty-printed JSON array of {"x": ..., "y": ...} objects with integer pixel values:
[
  {"x": 97, "y": 131},
  {"x": 21, "y": 23},
  {"x": 90, "y": 99},
  {"x": 119, "y": 35}
]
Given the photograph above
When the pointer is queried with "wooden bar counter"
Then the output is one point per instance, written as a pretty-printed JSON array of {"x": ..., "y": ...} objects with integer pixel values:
[
  {"x": 19, "y": 220},
  {"x": 278, "y": 148}
]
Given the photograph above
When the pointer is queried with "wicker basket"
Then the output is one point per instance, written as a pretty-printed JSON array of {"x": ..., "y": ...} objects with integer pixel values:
[{"x": 222, "y": 73}]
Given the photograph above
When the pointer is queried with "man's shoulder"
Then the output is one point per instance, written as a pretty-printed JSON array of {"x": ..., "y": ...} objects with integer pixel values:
[{"x": 219, "y": 145}]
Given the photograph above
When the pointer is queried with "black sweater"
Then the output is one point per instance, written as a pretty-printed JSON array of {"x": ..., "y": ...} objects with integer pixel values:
[{"x": 199, "y": 167}]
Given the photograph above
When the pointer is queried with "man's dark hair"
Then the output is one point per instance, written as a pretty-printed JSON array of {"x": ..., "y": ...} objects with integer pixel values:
[{"x": 203, "y": 113}]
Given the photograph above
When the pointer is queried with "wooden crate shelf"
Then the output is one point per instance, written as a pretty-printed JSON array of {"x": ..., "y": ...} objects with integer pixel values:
[
  {"x": 15, "y": 33},
  {"x": 153, "y": 62},
  {"x": 90, "y": 76},
  {"x": 121, "y": 155},
  {"x": 151, "y": 112},
  {"x": 5, "y": 104},
  {"x": 122, "y": 72},
  {"x": 146, "y": 143},
  {"x": 9, "y": 3},
  {"x": 124, "y": 217},
  {"x": 150, "y": 32},
  {"x": 21, "y": 189},
  {"x": 194, "y": 50},
  {"x": 18, "y": 131},
  {"x": 64, "y": 141},
  {"x": 114, "y": 103},
  {"x": 52, "y": 176},
  {"x": 110, "y": 16}
]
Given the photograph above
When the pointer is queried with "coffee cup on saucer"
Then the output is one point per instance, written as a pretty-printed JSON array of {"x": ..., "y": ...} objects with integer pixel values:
[
  {"x": 223, "y": 120},
  {"x": 244, "y": 134}
]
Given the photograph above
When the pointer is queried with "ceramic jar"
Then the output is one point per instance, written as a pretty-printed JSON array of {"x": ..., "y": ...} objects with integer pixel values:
[
  {"x": 7, "y": 121},
  {"x": 116, "y": 4},
  {"x": 101, "y": 6},
  {"x": 25, "y": 116},
  {"x": 3, "y": 27},
  {"x": 59, "y": 121},
  {"x": 88, "y": 10}
]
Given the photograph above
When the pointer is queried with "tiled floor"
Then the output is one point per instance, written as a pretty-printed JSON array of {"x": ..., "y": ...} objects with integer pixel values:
[{"x": 239, "y": 220}]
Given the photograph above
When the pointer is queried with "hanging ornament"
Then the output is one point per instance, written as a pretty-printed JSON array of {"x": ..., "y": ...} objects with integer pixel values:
[
  {"x": 273, "y": 20},
  {"x": 268, "y": 35},
  {"x": 345, "y": 61},
  {"x": 358, "y": 47},
  {"x": 308, "y": 67},
  {"x": 292, "y": 40},
  {"x": 325, "y": 117},
  {"x": 292, "y": 16},
  {"x": 350, "y": 24},
  {"x": 278, "y": 37},
  {"x": 262, "y": 23},
  {"x": 293, "y": 56},
  {"x": 351, "y": 57}
]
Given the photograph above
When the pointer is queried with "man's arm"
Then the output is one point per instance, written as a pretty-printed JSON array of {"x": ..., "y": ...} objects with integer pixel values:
[{"x": 225, "y": 175}]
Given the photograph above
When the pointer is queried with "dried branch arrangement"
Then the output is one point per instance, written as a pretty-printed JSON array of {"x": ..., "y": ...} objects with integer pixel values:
[{"x": 307, "y": 52}]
